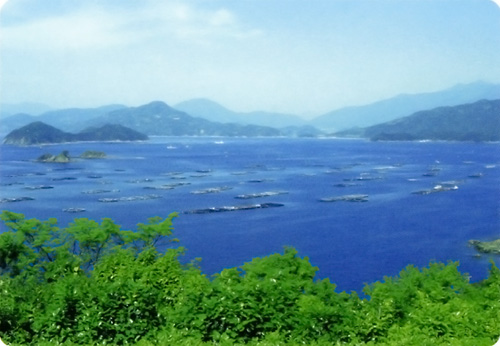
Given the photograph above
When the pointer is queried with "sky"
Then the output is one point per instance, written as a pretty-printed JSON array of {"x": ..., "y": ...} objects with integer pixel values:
[{"x": 290, "y": 56}]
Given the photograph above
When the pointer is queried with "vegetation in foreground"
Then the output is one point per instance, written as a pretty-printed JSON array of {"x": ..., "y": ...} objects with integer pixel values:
[{"x": 93, "y": 283}]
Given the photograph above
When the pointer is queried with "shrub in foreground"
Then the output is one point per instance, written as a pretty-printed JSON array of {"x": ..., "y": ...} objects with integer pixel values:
[{"x": 94, "y": 283}]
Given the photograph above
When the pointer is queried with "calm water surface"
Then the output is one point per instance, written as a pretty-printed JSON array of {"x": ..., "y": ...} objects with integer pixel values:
[{"x": 352, "y": 243}]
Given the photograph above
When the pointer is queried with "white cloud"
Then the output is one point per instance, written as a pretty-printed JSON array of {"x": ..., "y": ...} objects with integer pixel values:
[
  {"x": 308, "y": 57},
  {"x": 195, "y": 24},
  {"x": 2, "y": 2},
  {"x": 84, "y": 30},
  {"x": 222, "y": 17},
  {"x": 95, "y": 27}
]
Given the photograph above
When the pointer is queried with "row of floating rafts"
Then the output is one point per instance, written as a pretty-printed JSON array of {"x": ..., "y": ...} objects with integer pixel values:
[
  {"x": 200, "y": 211},
  {"x": 261, "y": 194},
  {"x": 241, "y": 173},
  {"x": 437, "y": 188},
  {"x": 16, "y": 199},
  {"x": 173, "y": 177},
  {"x": 74, "y": 210},
  {"x": 99, "y": 191},
  {"x": 129, "y": 198},
  {"x": 161, "y": 187},
  {"x": 364, "y": 198},
  {"x": 39, "y": 187},
  {"x": 211, "y": 190},
  {"x": 346, "y": 184},
  {"x": 364, "y": 177},
  {"x": 350, "y": 182},
  {"x": 432, "y": 172},
  {"x": 259, "y": 180},
  {"x": 29, "y": 174},
  {"x": 199, "y": 175},
  {"x": 138, "y": 181},
  {"x": 166, "y": 186},
  {"x": 64, "y": 178},
  {"x": 11, "y": 184},
  {"x": 243, "y": 196},
  {"x": 346, "y": 198},
  {"x": 94, "y": 176},
  {"x": 234, "y": 208},
  {"x": 445, "y": 186}
]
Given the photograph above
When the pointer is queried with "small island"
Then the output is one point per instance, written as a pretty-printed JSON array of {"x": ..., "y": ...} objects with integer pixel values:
[
  {"x": 92, "y": 154},
  {"x": 63, "y": 157},
  {"x": 486, "y": 246},
  {"x": 38, "y": 133}
]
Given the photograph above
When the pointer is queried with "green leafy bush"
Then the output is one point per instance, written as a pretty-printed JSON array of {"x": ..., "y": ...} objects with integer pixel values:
[{"x": 94, "y": 283}]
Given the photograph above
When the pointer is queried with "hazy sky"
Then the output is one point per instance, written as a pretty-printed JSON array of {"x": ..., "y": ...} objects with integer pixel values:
[{"x": 297, "y": 56}]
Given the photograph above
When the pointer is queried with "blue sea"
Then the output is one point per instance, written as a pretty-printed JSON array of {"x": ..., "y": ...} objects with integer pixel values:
[{"x": 421, "y": 201}]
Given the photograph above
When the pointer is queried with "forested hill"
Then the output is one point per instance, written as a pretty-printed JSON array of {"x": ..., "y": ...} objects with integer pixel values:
[
  {"x": 159, "y": 119},
  {"x": 41, "y": 133},
  {"x": 405, "y": 104},
  {"x": 479, "y": 121}
]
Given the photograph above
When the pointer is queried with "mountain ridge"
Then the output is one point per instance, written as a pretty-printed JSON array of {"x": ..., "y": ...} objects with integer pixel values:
[
  {"x": 67, "y": 119},
  {"x": 159, "y": 119},
  {"x": 403, "y": 105},
  {"x": 213, "y": 111},
  {"x": 33, "y": 108},
  {"x": 478, "y": 121}
]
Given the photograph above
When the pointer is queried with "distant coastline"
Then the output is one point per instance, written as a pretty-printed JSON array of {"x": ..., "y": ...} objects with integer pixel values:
[{"x": 462, "y": 113}]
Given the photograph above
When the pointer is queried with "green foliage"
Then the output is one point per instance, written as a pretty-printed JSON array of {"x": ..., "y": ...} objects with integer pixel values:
[
  {"x": 432, "y": 302},
  {"x": 93, "y": 154},
  {"x": 91, "y": 280},
  {"x": 251, "y": 301},
  {"x": 93, "y": 283}
]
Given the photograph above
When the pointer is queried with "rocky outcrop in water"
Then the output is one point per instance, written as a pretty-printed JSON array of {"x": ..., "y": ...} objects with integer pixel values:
[
  {"x": 486, "y": 246},
  {"x": 92, "y": 154},
  {"x": 63, "y": 157}
]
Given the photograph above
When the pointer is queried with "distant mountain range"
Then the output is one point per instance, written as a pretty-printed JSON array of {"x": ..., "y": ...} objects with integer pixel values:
[
  {"x": 32, "y": 108},
  {"x": 70, "y": 119},
  {"x": 213, "y": 111},
  {"x": 404, "y": 105},
  {"x": 41, "y": 133},
  {"x": 478, "y": 121},
  {"x": 157, "y": 118},
  {"x": 202, "y": 117}
]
